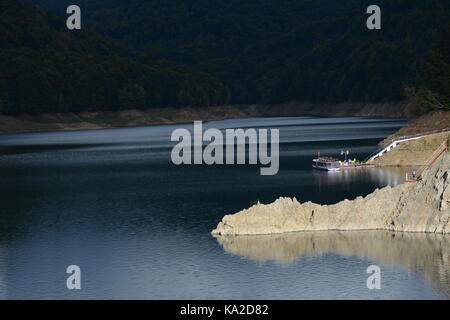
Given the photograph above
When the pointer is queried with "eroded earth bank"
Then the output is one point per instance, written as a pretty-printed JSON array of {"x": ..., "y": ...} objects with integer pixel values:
[{"x": 423, "y": 206}]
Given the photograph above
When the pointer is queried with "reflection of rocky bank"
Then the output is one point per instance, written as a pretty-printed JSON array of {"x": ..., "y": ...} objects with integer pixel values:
[
  {"x": 416, "y": 207},
  {"x": 427, "y": 253}
]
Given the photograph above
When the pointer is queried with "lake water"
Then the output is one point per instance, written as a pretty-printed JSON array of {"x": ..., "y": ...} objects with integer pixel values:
[{"x": 112, "y": 202}]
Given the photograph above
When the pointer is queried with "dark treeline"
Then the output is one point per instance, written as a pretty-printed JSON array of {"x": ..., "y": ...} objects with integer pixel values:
[
  {"x": 438, "y": 72},
  {"x": 46, "y": 68},
  {"x": 271, "y": 51}
]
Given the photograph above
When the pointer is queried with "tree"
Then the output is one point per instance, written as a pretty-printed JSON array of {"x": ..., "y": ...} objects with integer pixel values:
[
  {"x": 132, "y": 96},
  {"x": 438, "y": 72},
  {"x": 43, "y": 69}
]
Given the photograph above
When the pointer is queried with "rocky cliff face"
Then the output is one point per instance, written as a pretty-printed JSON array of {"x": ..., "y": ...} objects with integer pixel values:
[{"x": 423, "y": 206}]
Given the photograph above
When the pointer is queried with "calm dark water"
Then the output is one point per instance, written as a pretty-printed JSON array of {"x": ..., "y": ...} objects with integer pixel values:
[{"x": 138, "y": 226}]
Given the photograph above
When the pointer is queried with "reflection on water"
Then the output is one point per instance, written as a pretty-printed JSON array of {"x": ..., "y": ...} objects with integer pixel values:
[
  {"x": 112, "y": 202},
  {"x": 391, "y": 176},
  {"x": 2, "y": 275},
  {"x": 428, "y": 254}
]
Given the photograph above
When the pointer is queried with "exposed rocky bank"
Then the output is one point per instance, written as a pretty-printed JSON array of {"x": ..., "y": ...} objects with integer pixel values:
[
  {"x": 423, "y": 206},
  {"x": 433, "y": 120},
  {"x": 414, "y": 153},
  {"x": 105, "y": 120}
]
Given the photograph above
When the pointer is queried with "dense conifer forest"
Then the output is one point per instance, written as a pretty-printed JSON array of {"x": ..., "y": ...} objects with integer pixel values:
[
  {"x": 158, "y": 53},
  {"x": 44, "y": 67}
]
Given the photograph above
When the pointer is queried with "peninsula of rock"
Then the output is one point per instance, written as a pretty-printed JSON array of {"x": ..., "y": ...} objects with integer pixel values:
[{"x": 422, "y": 206}]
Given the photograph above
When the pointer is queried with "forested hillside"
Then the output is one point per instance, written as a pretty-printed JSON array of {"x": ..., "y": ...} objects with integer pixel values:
[
  {"x": 438, "y": 72},
  {"x": 44, "y": 67},
  {"x": 273, "y": 51}
]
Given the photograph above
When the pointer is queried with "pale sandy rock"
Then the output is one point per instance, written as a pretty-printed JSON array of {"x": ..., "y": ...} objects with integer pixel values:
[{"x": 415, "y": 207}]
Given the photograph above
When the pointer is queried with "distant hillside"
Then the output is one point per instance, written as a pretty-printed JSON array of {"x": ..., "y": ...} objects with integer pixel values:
[
  {"x": 438, "y": 73},
  {"x": 271, "y": 51},
  {"x": 46, "y": 68}
]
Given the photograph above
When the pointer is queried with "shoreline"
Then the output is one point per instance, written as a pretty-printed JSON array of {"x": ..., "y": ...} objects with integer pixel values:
[
  {"x": 422, "y": 206},
  {"x": 134, "y": 118},
  {"x": 415, "y": 153}
]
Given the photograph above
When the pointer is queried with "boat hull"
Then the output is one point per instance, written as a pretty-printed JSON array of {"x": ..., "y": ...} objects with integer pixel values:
[
  {"x": 342, "y": 167},
  {"x": 361, "y": 166},
  {"x": 326, "y": 168}
]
